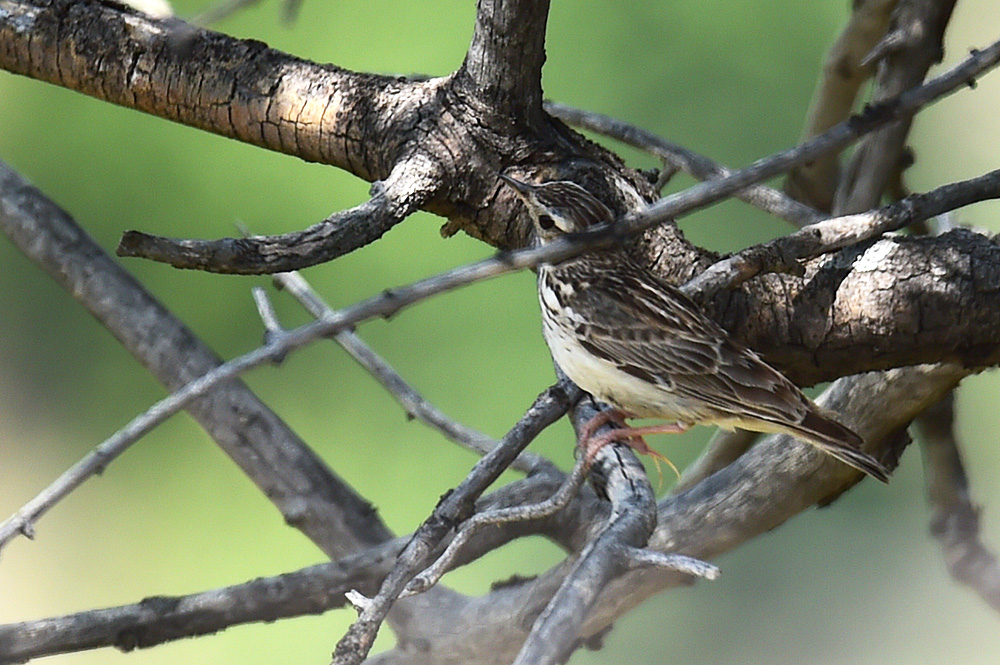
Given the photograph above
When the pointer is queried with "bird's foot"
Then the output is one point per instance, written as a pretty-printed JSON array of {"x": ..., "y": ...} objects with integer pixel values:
[{"x": 630, "y": 436}]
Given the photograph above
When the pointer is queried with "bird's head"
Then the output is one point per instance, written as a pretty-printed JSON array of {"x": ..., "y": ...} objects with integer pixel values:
[{"x": 558, "y": 207}]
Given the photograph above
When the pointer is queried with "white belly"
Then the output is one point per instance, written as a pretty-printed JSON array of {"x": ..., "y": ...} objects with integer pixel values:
[{"x": 606, "y": 382}]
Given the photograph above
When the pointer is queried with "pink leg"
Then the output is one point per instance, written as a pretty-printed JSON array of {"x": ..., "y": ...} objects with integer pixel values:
[
  {"x": 615, "y": 416},
  {"x": 630, "y": 436}
]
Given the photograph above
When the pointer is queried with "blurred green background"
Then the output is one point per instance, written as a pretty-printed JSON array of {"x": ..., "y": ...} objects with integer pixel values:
[{"x": 861, "y": 582}]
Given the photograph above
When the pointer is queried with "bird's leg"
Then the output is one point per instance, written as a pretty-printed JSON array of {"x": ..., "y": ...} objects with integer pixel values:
[
  {"x": 630, "y": 436},
  {"x": 616, "y": 416}
]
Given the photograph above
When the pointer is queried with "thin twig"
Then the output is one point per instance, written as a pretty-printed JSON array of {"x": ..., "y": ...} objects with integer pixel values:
[
  {"x": 455, "y": 507},
  {"x": 415, "y": 405},
  {"x": 524, "y": 513},
  {"x": 678, "y": 563},
  {"x": 837, "y": 137},
  {"x": 782, "y": 254},
  {"x": 678, "y": 157}
]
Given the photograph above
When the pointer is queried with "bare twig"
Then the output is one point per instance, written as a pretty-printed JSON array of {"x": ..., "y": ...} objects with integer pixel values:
[
  {"x": 522, "y": 513},
  {"x": 955, "y": 519},
  {"x": 412, "y": 402},
  {"x": 408, "y": 186},
  {"x": 454, "y": 508},
  {"x": 677, "y": 563},
  {"x": 844, "y": 71},
  {"x": 678, "y": 157},
  {"x": 782, "y": 254}
]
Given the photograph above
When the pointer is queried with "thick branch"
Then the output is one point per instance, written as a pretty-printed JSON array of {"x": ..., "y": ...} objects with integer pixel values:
[
  {"x": 504, "y": 63},
  {"x": 773, "y": 482},
  {"x": 236, "y": 88},
  {"x": 888, "y": 303}
]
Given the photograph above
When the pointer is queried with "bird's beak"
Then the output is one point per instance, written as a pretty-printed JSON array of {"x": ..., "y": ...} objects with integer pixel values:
[{"x": 517, "y": 185}]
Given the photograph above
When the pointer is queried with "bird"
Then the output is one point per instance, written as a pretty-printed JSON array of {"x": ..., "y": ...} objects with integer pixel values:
[{"x": 639, "y": 344}]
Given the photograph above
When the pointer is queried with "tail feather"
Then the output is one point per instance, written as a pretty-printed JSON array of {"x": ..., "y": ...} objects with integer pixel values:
[{"x": 838, "y": 441}]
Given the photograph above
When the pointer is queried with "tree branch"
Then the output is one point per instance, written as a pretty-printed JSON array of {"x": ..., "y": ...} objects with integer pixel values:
[
  {"x": 412, "y": 402},
  {"x": 783, "y": 254},
  {"x": 504, "y": 63},
  {"x": 409, "y": 185},
  {"x": 160, "y": 619},
  {"x": 844, "y": 71},
  {"x": 697, "y": 166},
  {"x": 955, "y": 518},
  {"x": 556, "y": 631},
  {"x": 454, "y": 508},
  {"x": 916, "y": 35},
  {"x": 236, "y": 88},
  {"x": 308, "y": 494}
]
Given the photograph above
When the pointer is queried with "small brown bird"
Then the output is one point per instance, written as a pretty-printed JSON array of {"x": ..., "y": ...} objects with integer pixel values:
[{"x": 638, "y": 343}]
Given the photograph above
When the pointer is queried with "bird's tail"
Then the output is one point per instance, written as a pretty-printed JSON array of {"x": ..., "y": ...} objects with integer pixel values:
[{"x": 838, "y": 441}]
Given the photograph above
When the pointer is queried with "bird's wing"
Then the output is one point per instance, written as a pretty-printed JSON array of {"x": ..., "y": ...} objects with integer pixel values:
[{"x": 660, "y": 334}]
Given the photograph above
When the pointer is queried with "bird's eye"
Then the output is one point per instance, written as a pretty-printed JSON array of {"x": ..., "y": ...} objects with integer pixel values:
[{"x": 546, "y": 223}]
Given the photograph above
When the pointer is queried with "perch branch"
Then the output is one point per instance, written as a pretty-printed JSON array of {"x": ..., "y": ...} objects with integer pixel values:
[
  {"x": 454, "y": 508},
  {"x": 632, "y": 520},
  {"x": 492, "y": 518}
]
